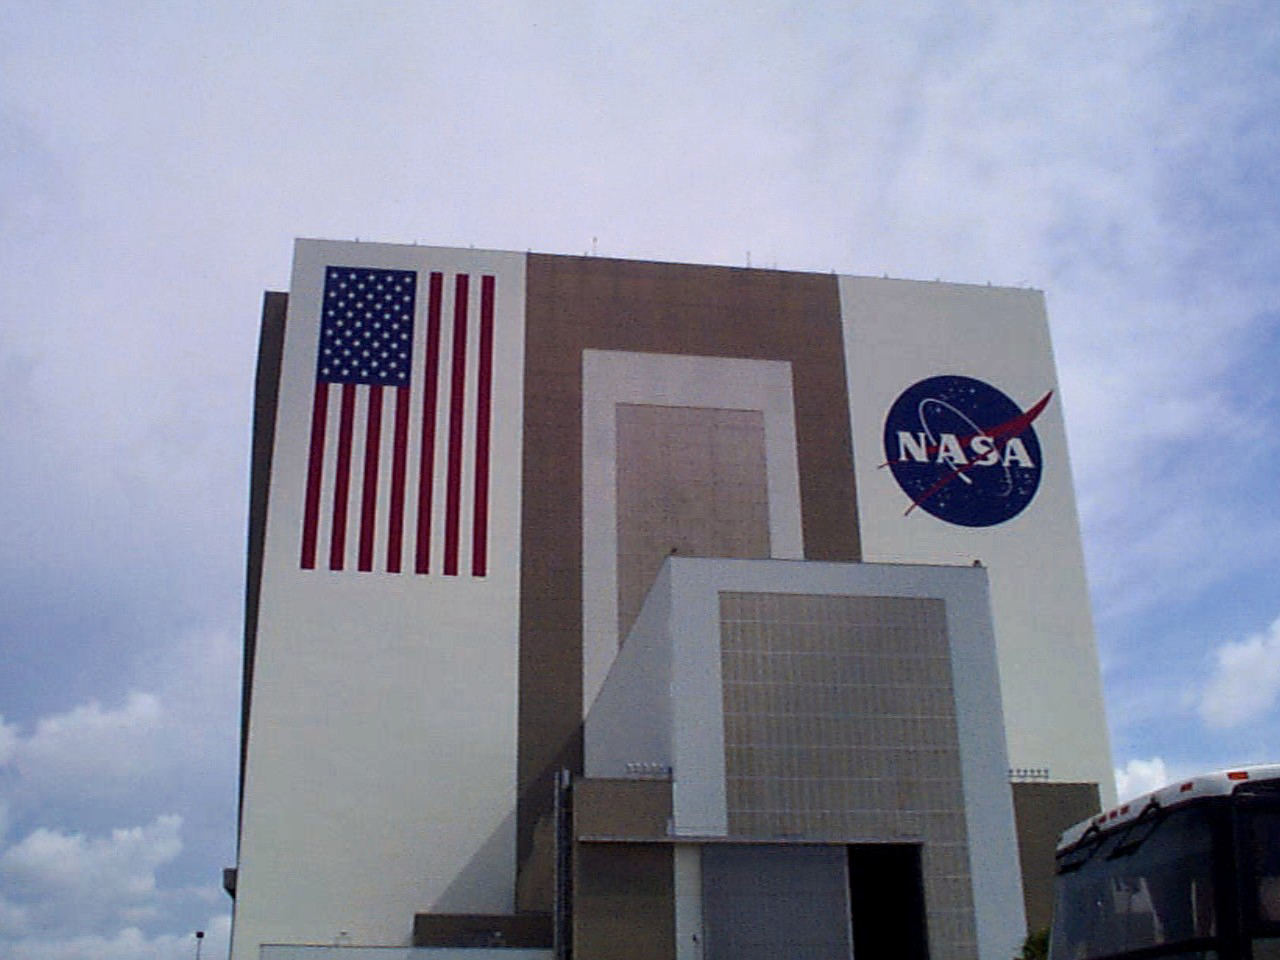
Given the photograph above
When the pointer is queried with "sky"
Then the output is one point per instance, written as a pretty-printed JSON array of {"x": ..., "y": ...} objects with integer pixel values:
[{"x": 157, "y": 159}]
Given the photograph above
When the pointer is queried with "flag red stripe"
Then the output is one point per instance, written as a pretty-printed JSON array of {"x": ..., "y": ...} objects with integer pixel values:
[
  {"x": 399, "y": 462},
  {"x": 369, "y": 490},
  {"x": 315, "y": 469},
  {"x": 342, "y": 481},
  {"x": 484, "y": 396},
  {"x": 430, "y": 385},
  {"x": 457, "y": 379}
]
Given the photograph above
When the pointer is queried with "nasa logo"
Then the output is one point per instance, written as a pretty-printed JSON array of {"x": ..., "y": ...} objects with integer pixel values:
[{"x": 963, "y": 451}]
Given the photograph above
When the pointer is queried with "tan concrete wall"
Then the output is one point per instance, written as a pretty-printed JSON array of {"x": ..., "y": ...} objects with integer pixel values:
[
  {"x": 1043, "y": 811},
  {"x": 621, "y": 808}
]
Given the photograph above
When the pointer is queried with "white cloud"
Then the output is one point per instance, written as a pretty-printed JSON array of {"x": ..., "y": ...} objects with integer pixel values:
[
  {"x": 168, "y": 748},
  {"x": 1245, "y": 682},
  {"x": 69, "y": 891},
  {"x": 111, "y": 873},
  {"x": 129, "y": 943},
  {"x": 89, "y": 751},
  {"x": 70, "y": 885},
  {"x": 1140, "y": 776},
  {"x": 87, "y": 738}
]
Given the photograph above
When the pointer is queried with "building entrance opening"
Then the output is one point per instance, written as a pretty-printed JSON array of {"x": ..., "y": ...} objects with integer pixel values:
[{"x": 886, "y": 898}]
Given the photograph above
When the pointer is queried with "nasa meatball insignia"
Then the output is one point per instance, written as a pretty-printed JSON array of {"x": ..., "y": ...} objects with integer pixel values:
[{"x": 963, "y": 451}]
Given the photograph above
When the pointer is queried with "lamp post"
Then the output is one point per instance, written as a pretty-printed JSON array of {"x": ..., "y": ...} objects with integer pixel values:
[{"x": 199, "y": 942}]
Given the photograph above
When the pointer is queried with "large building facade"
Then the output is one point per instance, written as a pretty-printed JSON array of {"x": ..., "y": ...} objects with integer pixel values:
[{"x": 584, "y": 589}]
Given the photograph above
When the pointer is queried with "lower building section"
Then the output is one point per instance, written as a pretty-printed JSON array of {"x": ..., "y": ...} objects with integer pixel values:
[
  {"x": 641, "y": 892},
  {"x": 786, "y": 760},
  {"x": 834, "y": 778}
]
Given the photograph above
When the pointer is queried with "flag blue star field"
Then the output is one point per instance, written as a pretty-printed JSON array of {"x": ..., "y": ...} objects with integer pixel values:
[
  {"x": 366, "y": 330},
  {"x": 371, "y": 479}
]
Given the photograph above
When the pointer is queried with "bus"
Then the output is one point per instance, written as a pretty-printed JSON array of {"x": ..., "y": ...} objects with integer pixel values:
[{"x": 1190, "y": 871}]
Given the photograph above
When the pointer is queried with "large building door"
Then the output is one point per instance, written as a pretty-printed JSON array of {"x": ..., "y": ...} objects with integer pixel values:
[{"x": 764, "y": 902}]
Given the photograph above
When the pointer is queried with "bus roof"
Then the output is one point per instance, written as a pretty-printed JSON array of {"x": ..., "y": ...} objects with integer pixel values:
[{"x": 1217, "y": 784}]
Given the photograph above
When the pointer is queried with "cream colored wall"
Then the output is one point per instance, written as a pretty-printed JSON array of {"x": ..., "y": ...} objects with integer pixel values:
[
  {"x": 899, "y": 332},
  {"x": 381, "y": 771}
]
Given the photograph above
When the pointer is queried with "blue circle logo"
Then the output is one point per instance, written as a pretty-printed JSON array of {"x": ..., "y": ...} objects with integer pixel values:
[{"x": 963, "y": 451}]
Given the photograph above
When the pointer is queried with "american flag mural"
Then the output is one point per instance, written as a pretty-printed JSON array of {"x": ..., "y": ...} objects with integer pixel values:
[{"x": 397, "y": 473}]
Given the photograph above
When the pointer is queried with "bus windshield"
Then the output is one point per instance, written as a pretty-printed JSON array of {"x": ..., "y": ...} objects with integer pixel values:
[{"x": 1148, "y": 884}]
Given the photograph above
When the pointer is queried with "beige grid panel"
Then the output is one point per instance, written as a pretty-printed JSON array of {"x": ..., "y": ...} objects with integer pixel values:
[
  {"x": 692, "y": 481},
  {"x": 840, "y": 723}
]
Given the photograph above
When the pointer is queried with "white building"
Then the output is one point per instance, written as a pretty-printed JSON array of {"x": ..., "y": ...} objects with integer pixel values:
[{"x": 471, "y": 470}]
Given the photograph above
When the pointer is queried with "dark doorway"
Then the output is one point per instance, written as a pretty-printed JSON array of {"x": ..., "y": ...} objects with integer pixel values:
[{"x": 886, "y": 900}]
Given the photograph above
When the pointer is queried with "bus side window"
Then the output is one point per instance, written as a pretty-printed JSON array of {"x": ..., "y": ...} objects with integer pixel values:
[
  {"x": 1269, "y": 899},
  {"x": 1266, "y": 865},
  {"x": 1202, "y": 908}
]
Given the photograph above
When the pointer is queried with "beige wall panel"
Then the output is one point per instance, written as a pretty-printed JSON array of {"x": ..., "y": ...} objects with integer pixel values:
[
  {"x": 840, "y": 721},
  {"x": 691, "y": 481}
]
